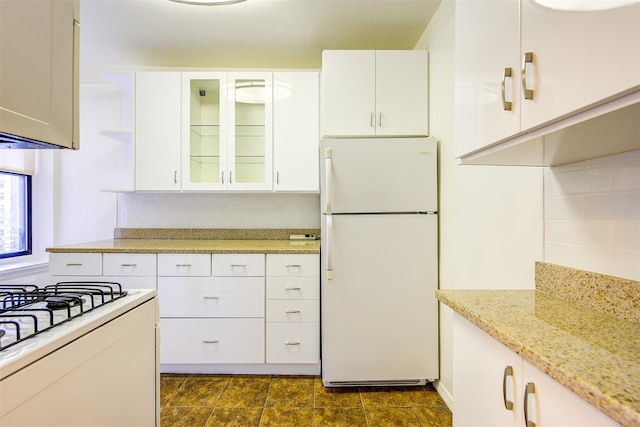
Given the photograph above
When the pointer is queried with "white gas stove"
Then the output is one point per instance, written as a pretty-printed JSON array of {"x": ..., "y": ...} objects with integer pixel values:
[{"x": 91, "y": 339}]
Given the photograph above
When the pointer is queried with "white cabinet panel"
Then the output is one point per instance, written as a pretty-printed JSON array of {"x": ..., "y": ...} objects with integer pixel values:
[
  {"x": 211, "y": 297},
  {"x": 75, "y": 264},
  {"x": 184, "y": 265},
  {"x": 289, "y": 311},
  {"x": 212, "y": 341},
  {"x": 294, "y": 287},
  {"x": 293, "y": 265},
  {"x": 238, "y": 265},
  {"x": 293, "y": 343},
  {"x": 118, "y": 264},
  {"x": 133, "y": 282}
]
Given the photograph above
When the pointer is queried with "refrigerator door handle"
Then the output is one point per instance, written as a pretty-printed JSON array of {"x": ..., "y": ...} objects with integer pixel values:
[
  {"x": 327, "y": 179},
  {"x": 329, "y": 236}
]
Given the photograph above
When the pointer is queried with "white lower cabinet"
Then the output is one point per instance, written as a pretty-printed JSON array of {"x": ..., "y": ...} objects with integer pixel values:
[
  {"x": 493, "y": 386},
  {"x": 293, "y": 308}
]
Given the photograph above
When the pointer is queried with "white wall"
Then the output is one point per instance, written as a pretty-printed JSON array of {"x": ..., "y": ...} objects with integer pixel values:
[
  {"x": 592, "y": 215},
  {"x": 490, "y": 217}
]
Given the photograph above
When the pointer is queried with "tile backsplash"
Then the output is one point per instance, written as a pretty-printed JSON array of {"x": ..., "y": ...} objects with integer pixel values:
[{"x": 592, "y": 215}]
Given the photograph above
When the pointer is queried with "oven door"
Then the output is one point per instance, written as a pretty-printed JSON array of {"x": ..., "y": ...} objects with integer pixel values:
[{"x": 107, "y": 377}]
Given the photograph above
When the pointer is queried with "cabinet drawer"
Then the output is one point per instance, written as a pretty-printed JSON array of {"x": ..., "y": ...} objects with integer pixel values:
[
  {"x": 293, "y": 265},
  {"x": 184, "y": 265},
  {"x": 134, "y": 282},
  {"x": 238, "y": 265},
  {"x": 293, "y": 342},
  {"x": 129, "y": 264},
  {"x": 211, "y": 341},
  {"x": 293, "y": 311},
  {"x": 293, "y": 287},
  {"x": 75, "y": 264},
  {"x": 211, "y": 296}
]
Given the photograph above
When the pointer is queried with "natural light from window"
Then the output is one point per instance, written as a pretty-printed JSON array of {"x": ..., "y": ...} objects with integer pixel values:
[{"x": 15, "y": 214}]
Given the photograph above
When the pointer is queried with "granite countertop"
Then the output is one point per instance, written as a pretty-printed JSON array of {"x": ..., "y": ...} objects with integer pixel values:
[
  {"x": 161, "y": 240},
  {"x": 590, "y": 352}
]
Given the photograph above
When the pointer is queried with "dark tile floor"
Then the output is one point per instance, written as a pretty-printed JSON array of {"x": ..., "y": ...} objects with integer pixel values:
[{"x": 247, "y": 400}]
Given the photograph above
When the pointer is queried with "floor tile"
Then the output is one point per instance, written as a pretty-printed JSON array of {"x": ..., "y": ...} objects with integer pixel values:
[
  {"x": 335, "y": 396},
  {"x": 434, "y": 417},
  {"x": 200, "y": 391},
  {"x": 339, "y": 417},
  {"x": 384, "y": 396},
  {"x": 169, "y": 385},
  {"x": 235, "y": 417},
  {"x": 290, "y": 392},
  {"x": 287, "y": 417},
  {"x": 245, "y": 391},
  {"x": 180, "y": 416},
  {"x": 425, "y": 396},
  {"x": 391, "y": 417}
]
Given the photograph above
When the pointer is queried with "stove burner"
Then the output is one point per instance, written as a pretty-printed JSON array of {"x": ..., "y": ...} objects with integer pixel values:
[{"x": 28, "y": 310}]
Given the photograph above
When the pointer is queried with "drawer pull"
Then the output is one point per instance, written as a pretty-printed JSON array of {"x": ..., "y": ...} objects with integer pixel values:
[
  {"x": 210, "y": 342},
  {"x": 210, "y": 297},
  {"x": 296, "y": 288},
  {"x": 74, "y": 264},
  {"x": 238, "y": 265},
  {"x": 292, "y": 343},
  {"x": 183, "y": 265},
  {"x": 292, "y": 311},
  {"x": 293, "y": 265},
  {"x": 128, "y": 265}
]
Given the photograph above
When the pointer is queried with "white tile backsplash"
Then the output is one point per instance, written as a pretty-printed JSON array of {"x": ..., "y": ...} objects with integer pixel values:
[{"x": 592, "y": 215}]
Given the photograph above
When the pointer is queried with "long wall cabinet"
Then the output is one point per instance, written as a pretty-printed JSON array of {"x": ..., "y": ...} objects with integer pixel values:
[
  {"x": 218, "y": 131},
  {"x": 549, "y": 87},
  {"x": 232, "y": 313}
]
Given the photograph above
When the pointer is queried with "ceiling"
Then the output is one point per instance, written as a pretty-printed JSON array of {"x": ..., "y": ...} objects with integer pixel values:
[{"x": 254, "y": 34}]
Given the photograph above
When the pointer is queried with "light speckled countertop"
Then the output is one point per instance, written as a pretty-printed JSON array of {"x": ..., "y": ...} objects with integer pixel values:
[
  {"x": 594, "y": 354},
  {"x": 194, "y": 246}
]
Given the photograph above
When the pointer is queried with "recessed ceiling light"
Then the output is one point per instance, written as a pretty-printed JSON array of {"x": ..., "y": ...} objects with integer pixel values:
[{"x": 208, "y": 2}]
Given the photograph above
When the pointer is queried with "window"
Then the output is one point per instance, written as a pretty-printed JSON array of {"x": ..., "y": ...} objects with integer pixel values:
[{"x": 15, "y": 214}]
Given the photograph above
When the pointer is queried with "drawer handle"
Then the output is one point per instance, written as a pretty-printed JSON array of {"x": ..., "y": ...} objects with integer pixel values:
[
  {"x": 292, "y": 343},
  {"x": 292, "y": 288},
  {"x": 210, "y": 342},
  {"x": 128, "y": 265},
  {"x": 74, "y": 264},
  {"x": 530, "y": 388},
  {"x": 210, "y": 297},
  {"x": 238, "y": 265},
  {"x": 293, "y": 265},
  {"x": 183, "y": 265},
  {"x": 292, "y": 311},
  {"x": 508, "y": 372}
]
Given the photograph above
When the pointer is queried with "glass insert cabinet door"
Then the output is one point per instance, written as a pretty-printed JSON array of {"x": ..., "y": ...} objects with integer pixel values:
[
  {"x": 250, "y": 111},
  {"x": 204, "y": 131}
]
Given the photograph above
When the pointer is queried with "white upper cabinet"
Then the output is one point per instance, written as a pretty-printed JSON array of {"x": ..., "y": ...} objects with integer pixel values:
[
  {"x": 295, "y": 131},
  {"x": 525, "y": 73},
  {"x": 374, "y": 93},
  {"x": 204, "y": 131},
  {"x": 250, "y": 137},
  {"x": 157, "y": 131},
  {"x": 39, "y": 70}
]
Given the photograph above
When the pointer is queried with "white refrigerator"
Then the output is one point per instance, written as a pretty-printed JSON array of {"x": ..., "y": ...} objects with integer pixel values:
[{"x": 379, "y": 261}]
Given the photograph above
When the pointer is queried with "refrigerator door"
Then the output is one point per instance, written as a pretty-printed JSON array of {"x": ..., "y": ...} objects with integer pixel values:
[
  {"x": 378, "y": 175},
  {"x": 379, "y": 311}
]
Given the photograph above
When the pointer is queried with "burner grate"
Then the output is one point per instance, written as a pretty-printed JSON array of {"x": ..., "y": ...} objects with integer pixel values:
[{"x": 29, "y": 310}]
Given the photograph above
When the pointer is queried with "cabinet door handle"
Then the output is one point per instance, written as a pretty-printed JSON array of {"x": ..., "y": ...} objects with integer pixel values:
[
  {"x": 238, "y": 265},
  {"x": 175, "y": 177},
  {"x": 292, "y": 343},
  {"x": 527, "y": 58},
  {"x": 230, "y": 177},
  {"x": 222, "y": 179},
  {"x": 372, "y": 120},
  {"x": 183, "y": 265},
  {"x": 207, "y": 297},
  {"x": 292, "y": 311},
  {"x": 292, "y": 265},
  {"x": 508, "y": 372},
  {"x": 292, "y": 289},
  {"x": 529, "y": 389},
  {"x": 128, "y": 265},
  {"x": 210, "y": 341},
  {"x": 380, "y": 120},
  {"x": 74, "y": 264},
  {"x": 278, "y": 177},
  {"x": 506, "y": 105}
]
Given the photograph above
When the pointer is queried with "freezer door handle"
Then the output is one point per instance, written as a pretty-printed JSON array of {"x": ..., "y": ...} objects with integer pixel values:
[
  {"x": 327, "y": 179},
  {"x": 329, "y": 237}
]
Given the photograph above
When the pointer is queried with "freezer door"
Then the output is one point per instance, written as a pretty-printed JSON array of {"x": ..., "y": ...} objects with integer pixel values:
[
  {"x": 379, "y": 311},
  {"x": 379, "y": 175}
]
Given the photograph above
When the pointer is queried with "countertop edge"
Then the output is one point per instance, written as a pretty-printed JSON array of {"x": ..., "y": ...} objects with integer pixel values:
[{"x": 590, "y": 394}]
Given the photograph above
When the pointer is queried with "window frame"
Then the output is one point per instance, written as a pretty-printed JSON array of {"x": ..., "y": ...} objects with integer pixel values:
[{"x": 28, "y": 197}]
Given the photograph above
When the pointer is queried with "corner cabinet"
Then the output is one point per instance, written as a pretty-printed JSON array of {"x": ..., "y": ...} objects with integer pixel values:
[
  {"x": 582, "y": 65},
  {"x": 39, "y": 78},
  {"x": 374, "y": 93},
  {"x": 496, "y": 387}
]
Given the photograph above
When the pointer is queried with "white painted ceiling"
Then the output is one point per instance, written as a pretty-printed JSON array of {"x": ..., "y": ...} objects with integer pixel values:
[{"x": 254, "y": 34}]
